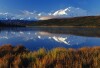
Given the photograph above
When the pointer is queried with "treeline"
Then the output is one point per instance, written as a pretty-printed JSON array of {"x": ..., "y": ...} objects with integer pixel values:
[
  {"x": 20, "y": 57},
  {"x": 87, "y": 21},
  {"x": 14, "y": 23}
]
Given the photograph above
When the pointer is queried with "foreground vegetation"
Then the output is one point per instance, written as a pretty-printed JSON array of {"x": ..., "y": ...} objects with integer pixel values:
[{"x": 20, "y": 57}]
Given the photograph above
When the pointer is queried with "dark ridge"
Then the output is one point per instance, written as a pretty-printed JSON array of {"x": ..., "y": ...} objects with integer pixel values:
[
  {"x": 93, "y": 21},
  {"x": 75, "y": 21},
  {"x": 14, "y": 23}
]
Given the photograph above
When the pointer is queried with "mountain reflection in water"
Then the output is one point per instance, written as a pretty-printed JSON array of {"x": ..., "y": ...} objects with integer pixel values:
[{"x": 42, "y": 37}]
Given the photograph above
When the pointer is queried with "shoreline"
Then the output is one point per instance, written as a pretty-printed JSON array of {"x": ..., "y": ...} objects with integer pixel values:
[{"x": 69, "y": 26}]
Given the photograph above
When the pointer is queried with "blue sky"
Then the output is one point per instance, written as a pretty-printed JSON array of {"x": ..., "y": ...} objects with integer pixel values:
[{"x": 45, "y": 9}]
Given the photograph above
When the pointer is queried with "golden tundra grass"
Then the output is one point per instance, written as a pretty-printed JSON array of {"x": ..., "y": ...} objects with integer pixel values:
[{"x": 20, "y": 57}]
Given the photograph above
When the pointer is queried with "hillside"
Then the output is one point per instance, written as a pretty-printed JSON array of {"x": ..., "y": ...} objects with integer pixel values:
[
  {"x": 93, "y": 21},
  {"x": 75, "y": 21}
]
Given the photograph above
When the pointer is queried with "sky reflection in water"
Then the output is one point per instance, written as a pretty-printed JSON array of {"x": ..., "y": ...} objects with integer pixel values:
[{"x": 36, "y": 38}]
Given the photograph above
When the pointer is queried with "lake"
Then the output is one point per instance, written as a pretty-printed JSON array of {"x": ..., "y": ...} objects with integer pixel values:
[{"x": 50, "y": 37}]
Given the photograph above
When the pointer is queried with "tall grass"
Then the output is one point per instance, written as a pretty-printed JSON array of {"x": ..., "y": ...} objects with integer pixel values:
[{"x": 20, "y": 57}]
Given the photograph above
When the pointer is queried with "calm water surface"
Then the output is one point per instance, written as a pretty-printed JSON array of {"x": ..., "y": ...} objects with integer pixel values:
[{"x": 42, "y": 37}]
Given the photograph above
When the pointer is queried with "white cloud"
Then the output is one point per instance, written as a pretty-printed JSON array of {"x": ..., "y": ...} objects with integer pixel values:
[
  {"x": 76, "y": 12},
  {"x": 28, "y": 12},
  {"x": 67, "y": 12},
  {"x": 46, "y": 17},
  {"x": 39, "y": 14},
  {"x": 26, "y": 15},
  {"x": 6, "y": 13},
  {"x": 70, "y": 11}
]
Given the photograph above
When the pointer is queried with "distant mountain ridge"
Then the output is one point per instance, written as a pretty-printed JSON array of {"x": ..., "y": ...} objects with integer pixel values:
[{"x": 75, "y": 21}]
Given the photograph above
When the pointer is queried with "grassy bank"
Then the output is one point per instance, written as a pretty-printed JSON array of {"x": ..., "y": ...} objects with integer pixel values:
[{"x": 20, "y": 57}]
